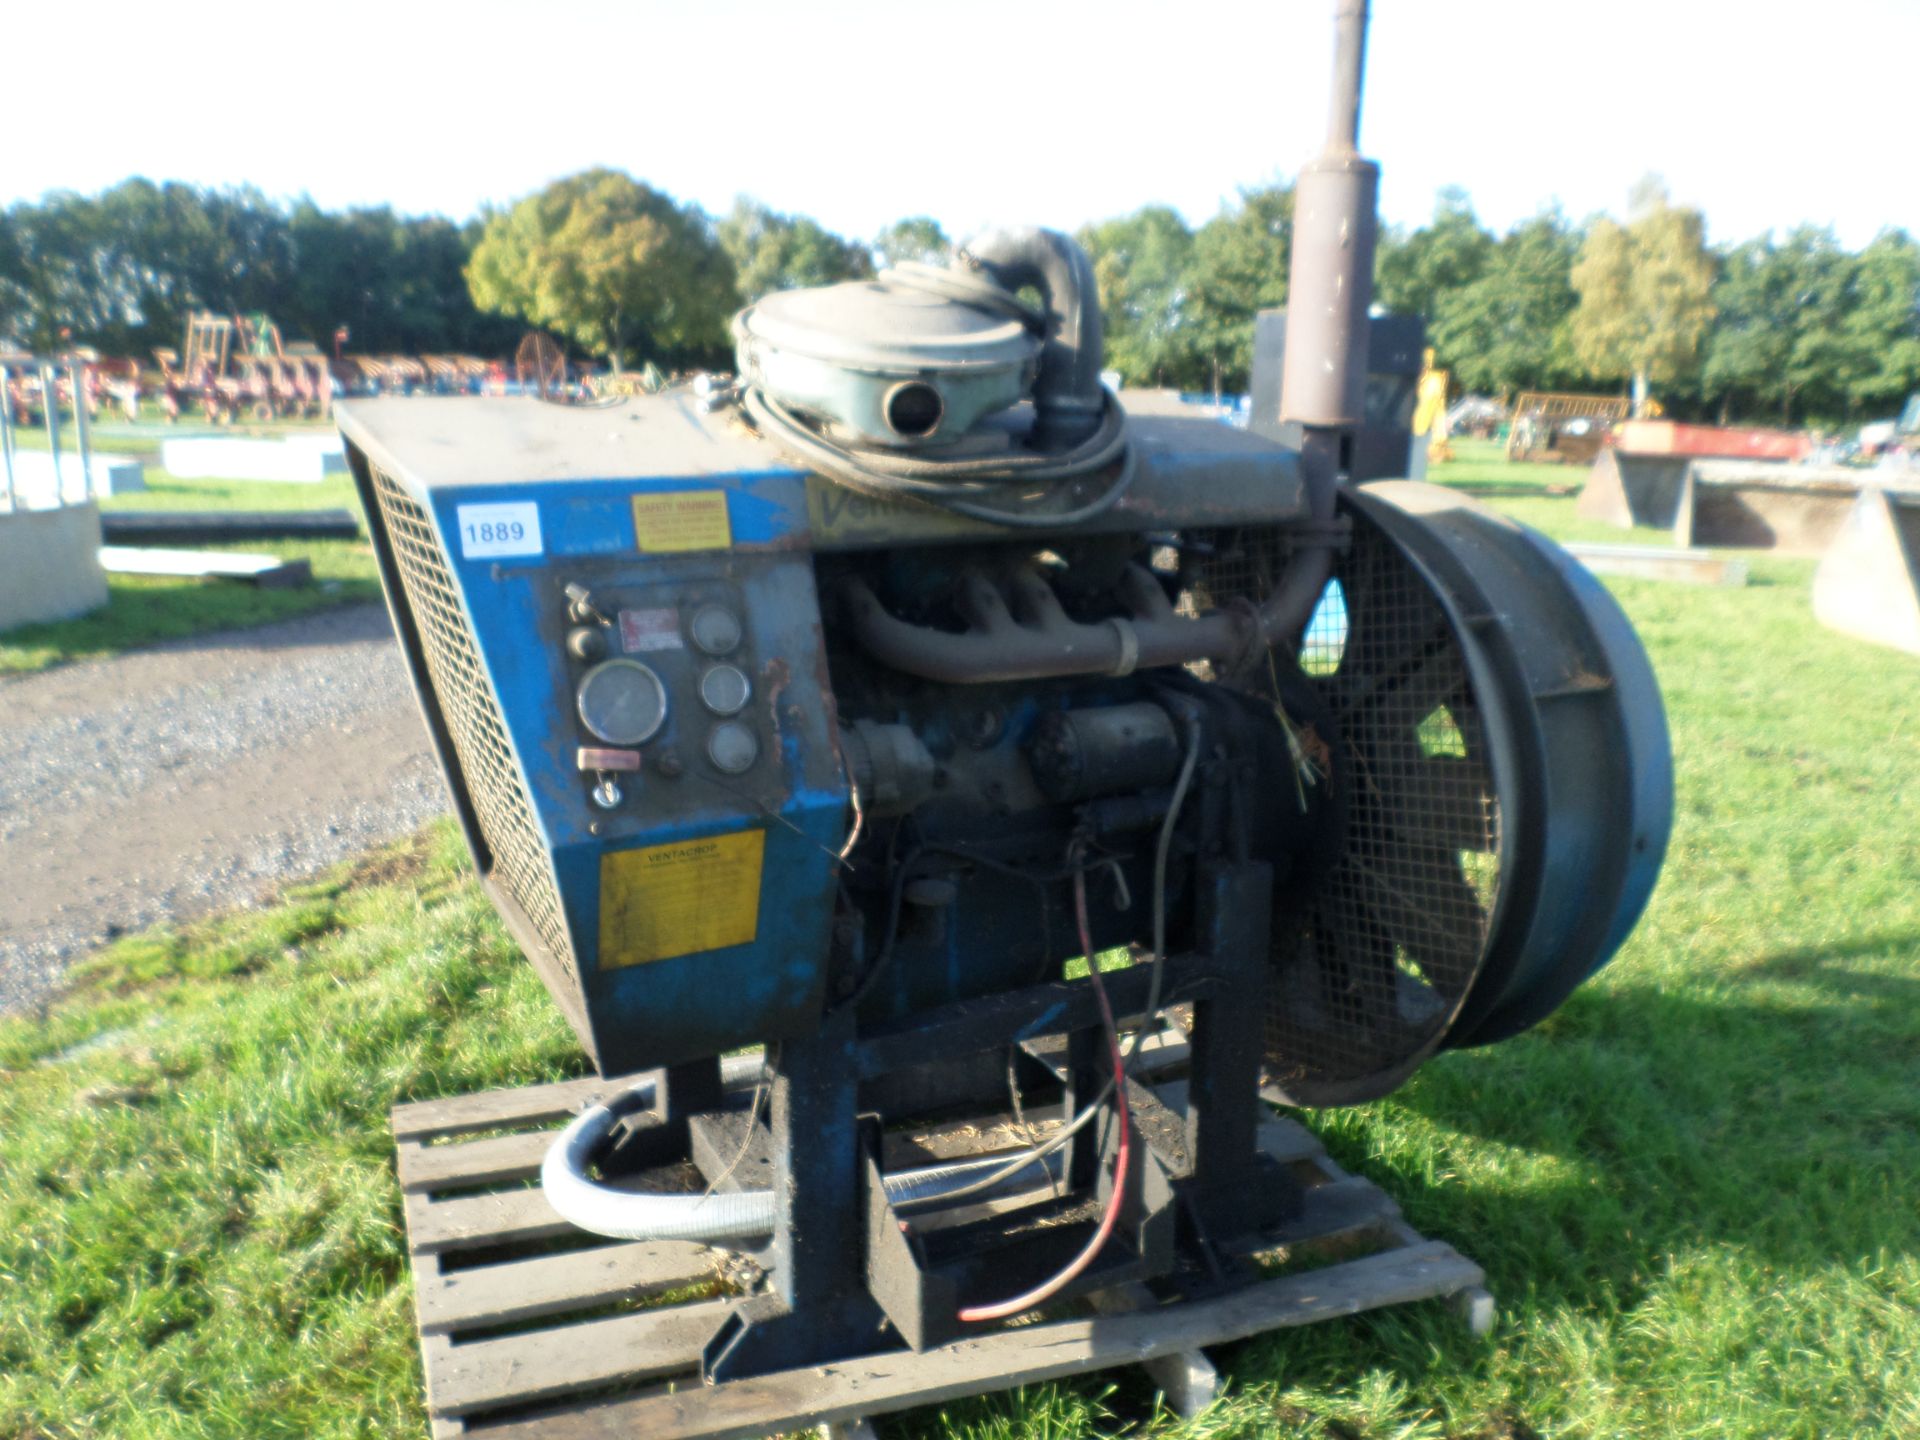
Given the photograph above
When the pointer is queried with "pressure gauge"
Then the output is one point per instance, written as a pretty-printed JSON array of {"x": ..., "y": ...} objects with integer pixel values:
[
  {"x": 732, "y": 747},
  {"x": 715, "y": 629},
  {"x": 622, "y": 702},
  {"x": 725, "y": 689}
]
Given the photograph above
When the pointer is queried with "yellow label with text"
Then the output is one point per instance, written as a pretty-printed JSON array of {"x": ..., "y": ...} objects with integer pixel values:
[
  {"x": 679, "y": 899},
  {"x": 666, "y": 522}
]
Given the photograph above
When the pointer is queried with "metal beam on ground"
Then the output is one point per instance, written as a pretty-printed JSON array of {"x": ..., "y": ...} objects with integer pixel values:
[
  {"x": 1661, "y": 562},
  {"x": 216, "y": 526},
  {"x": 269, "y": 572}
]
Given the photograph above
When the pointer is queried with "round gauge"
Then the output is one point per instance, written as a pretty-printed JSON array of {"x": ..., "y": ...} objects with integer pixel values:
[
  {"x": 716, "y": 629},
  {"x": 725, "y": 689},
  {"x": 622, "y": 702},
  {"x": 732, "y": 747}
]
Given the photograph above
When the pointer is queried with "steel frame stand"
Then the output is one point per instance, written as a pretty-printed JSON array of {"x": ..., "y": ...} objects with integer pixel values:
[
  {"x": 820, "y": 1309},
  {"x": 852, "y": 1274},
  {"x": 860, "y": 1313}
]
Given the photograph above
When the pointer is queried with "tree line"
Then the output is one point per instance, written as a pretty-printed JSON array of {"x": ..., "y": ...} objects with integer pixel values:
[
  {"x": 122, "y": 270},
  {"x": 1788, "y": 328}
]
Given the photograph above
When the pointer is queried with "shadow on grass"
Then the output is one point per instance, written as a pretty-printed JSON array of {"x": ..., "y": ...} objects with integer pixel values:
[
  {"x": 1778, "y": 1116},
  {"x": 1769, "y": 1130},
  {"x": 1515, "y": 489},
  {"x": 1765, "y": 1130},
  {"x": 1820, "y": 965}
]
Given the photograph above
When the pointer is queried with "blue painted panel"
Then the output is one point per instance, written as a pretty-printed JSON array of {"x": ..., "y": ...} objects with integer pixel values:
[{"x": 667, "y": 1010}]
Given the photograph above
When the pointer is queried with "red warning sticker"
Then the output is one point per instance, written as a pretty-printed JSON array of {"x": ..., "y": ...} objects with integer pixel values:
[{"x": 643, "y": 630}]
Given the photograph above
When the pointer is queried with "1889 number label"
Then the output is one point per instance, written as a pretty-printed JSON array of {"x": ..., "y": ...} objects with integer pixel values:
[{"x": 504, "y": 529}]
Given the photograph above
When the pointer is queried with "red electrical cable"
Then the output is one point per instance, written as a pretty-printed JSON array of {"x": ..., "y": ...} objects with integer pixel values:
[{"x": 1045, "y": 1291}]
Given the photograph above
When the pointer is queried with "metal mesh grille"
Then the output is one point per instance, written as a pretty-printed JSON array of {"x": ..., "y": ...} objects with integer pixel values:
[
  {"x": 519, "y": 857},
  {"x": 1371, "y": 968}
]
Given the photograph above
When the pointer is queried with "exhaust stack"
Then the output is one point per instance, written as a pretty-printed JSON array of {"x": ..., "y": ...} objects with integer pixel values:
[{"x": 1330, "y": 284}]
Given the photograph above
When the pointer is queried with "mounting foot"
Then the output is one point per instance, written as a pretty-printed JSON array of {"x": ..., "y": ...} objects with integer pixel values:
[
  {"x": 1474, "y": 1305},
  {"x": 1186, "y": 1377}
]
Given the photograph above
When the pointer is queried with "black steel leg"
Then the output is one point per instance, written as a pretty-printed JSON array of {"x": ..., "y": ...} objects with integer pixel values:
[
  {"x": 820, "y": 1309},
  {"x": 1088, "y": 1068},
  {"x": 1232, "y": 1189},
  {"x": 661, "y": 1137}
]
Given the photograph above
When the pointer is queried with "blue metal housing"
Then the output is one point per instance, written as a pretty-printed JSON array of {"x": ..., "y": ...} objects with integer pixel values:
[
  {"x": 484, "y": 511},
  {"x": 694, "y": 913},
  {"x": 514, "y": 609}
]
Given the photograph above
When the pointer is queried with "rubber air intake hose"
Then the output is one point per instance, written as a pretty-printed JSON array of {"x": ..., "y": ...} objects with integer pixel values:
[{"x": 1068, "y": 397}]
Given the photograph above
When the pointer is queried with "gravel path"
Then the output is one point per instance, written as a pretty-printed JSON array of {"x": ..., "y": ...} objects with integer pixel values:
[{"x": 195, "y": 775}]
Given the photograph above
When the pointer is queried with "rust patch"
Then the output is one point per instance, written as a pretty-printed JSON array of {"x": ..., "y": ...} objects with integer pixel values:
[{"x": 778, "y": 676}]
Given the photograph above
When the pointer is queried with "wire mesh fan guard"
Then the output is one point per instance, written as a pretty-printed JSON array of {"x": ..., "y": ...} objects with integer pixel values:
[{"x": 1372, "y": 965}]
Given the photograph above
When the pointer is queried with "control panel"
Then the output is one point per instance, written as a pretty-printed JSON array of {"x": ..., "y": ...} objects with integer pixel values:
[{"x": 668, "y": 700}]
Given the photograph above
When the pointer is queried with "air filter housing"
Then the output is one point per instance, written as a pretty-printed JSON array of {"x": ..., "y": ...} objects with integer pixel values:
[{"x": 893, "y": 362}]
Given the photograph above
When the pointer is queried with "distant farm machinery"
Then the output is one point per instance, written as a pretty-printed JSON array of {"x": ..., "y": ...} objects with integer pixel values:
[
  {"x": 239, "y": 367},
  {"x": 1571, "y": 428},
  {"x": 233, "y": 368}
]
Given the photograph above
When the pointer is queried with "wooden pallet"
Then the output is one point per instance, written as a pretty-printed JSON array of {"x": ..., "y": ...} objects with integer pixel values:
[{"x": 525, "y": 1341}]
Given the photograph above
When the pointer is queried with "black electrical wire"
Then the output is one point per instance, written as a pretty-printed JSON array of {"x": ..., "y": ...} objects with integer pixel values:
[
  {"x": 903, "y": 872},
  {"x": 960, "y": 484},
  {"x": 1116, "y": 1201},
  {"x": 1162, "y": 850}
]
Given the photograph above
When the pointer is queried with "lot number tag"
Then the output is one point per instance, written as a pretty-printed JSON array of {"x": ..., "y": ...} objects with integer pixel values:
[{"x": 487, "y": 531}]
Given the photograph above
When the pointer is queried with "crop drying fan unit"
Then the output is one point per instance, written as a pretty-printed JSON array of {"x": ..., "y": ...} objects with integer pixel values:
[{"x": 841, "y": 712}]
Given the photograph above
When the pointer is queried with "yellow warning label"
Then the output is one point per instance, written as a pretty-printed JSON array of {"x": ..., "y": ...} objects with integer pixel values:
[
  {"x": 679, "y": 899},
  {"x": 668, "y": 521}
]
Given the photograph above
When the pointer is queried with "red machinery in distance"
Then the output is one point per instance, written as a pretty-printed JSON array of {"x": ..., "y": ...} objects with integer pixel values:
[{"x": 234, "y": 366}]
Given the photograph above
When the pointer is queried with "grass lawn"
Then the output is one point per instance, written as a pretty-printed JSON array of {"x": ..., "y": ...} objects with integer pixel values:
[
  {"x": 1693, "y": 1189},
  {"x": 141, "y": 609}
]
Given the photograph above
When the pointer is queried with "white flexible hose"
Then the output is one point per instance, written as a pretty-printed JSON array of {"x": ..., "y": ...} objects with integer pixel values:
[{"x": 721, "y": 1218}]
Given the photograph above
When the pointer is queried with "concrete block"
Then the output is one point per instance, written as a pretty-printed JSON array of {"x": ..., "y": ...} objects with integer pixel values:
[
  {"x": 33, "y": 478},
  {"x": 297, "y": 459},
  {"x": 1868, "y": 586},
  {"x": 1626, "y": 489},
  {"x": 269, "y": 572},
  {"x": 1744, "y": 505},
  {"x": 117, "y": 475},
  {"x": 50, "y": 564}
]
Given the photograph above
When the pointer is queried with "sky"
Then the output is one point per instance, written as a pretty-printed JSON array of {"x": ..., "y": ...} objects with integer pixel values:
[{"x": 1762, "y": 113}]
